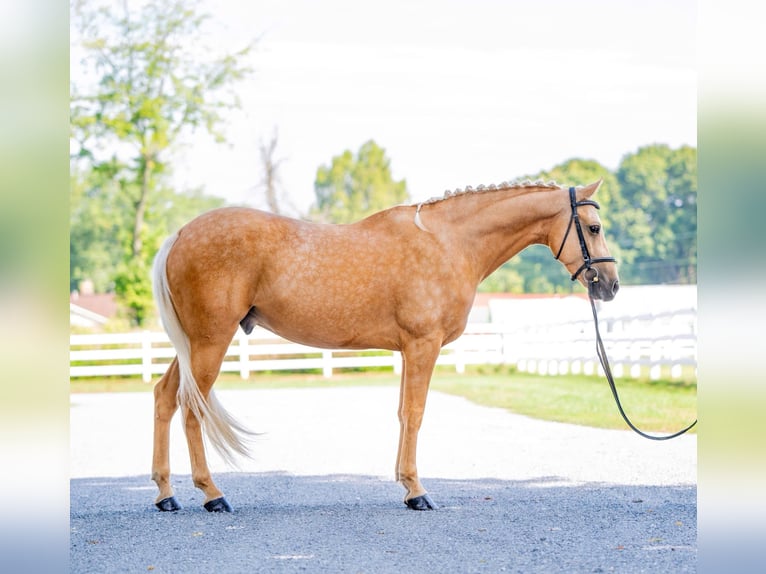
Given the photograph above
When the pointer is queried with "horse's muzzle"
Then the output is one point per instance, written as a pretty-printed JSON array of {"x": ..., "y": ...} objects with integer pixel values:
[{"x": 604, "y": 290}]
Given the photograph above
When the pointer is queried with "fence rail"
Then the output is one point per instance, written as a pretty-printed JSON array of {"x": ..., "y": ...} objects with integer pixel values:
[{"x": 647, "y": 345}]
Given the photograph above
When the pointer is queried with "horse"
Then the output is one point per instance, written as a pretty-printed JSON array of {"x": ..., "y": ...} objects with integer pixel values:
[{"x": 403, "y": 279}]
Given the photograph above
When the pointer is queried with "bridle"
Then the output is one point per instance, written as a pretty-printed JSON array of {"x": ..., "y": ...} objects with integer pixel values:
[
  {"x": 587, "y": 260},
  {"x": 592, "y": 280}
]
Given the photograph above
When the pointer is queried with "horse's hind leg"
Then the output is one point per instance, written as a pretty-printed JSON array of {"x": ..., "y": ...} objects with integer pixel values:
[
  {"x": 206, "y": 364},
  {"x": 165, "y": 406},
  {"x": 214, "y": 499}
]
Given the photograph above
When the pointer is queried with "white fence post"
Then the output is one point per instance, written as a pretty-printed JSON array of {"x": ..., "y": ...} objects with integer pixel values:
[
  {"x": 655, "y": 356},
  {"x": 327, "y": 363},
  {"x": 576, "y": 367}
]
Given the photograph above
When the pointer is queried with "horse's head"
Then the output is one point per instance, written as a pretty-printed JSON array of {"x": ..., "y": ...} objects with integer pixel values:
[{"x": 577, "y": 239}]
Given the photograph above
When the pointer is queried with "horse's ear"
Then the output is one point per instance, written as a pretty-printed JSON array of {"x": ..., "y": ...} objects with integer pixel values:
[{"x": 589, "y": 190}]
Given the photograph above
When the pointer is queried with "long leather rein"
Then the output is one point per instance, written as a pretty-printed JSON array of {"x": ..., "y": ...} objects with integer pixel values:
[{"x": 592, "y": 280}]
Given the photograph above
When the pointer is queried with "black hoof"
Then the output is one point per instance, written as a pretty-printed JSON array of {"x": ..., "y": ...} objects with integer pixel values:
[
  {"x": 422, "y": 502},
  {"x": 218, "y": 505},
  {"x": 169, "y": 504}
]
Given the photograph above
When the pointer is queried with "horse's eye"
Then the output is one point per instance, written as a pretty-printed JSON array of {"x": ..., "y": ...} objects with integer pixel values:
[{"x": 595, "y": 229}]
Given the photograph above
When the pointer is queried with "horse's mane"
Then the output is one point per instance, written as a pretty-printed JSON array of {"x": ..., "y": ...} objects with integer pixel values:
[{"x": 492, "y": 187}]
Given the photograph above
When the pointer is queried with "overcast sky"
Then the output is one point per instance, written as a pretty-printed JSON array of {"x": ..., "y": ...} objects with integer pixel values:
[{"x": 457, "y": 92}]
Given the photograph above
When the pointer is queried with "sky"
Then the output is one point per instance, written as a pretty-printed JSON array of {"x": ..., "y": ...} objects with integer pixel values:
[{"x": 457, "y": 92}]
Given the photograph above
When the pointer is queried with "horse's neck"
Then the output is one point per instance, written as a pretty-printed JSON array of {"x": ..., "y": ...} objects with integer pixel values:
[{"x": 496, "y": 226}]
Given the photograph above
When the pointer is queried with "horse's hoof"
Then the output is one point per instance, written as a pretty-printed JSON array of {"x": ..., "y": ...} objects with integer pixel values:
[
  {"x": 422, "y": 502},
  {"x": 169, "y": 504},
  {"x": 218, "y": 505}
]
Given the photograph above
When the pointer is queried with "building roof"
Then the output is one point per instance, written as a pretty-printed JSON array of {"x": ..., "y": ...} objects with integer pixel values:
[{"x": 103, "y": 304}]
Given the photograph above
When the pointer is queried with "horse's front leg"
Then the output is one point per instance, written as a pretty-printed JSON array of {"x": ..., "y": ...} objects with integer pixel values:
[
  {"x": 418, "y": 359},
  {"x": 165, "y": 406}
]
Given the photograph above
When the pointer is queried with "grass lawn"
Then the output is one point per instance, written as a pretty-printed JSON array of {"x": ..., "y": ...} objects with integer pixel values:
[
  {"x": 651, "y": 406},
  {"x": 654, "y": 406}
]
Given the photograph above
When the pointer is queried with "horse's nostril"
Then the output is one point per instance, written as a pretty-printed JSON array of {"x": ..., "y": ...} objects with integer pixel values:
[{"x": 615, "y": 287}]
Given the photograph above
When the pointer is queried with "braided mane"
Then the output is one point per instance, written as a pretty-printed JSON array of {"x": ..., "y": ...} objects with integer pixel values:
[{"x": 492, "y": 187}]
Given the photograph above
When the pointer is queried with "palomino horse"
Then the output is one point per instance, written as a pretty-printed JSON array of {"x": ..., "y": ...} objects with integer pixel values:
[{"x": 402, "y": 279}]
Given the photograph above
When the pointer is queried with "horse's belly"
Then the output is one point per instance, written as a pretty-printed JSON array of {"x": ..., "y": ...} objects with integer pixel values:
[{"x": 330, "y": 329}]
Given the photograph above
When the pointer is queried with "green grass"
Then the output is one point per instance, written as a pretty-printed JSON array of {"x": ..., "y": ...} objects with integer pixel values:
[{"x": 654, "y": 406}]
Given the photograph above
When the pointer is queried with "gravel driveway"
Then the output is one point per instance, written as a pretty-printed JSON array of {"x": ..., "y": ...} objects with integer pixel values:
[{"x": 516, "y": 494}]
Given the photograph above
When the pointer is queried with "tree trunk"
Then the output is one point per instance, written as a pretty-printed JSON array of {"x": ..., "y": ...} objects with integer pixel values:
[
  {"x": 270, "y": 166},
  {"x": 138, "y": 222}
]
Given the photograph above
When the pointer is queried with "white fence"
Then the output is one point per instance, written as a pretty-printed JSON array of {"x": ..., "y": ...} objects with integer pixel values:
[{"x": 650, "y": 345}]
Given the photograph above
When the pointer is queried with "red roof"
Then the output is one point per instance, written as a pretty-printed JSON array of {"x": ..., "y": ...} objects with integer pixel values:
[{"x": 104, "y": 304}]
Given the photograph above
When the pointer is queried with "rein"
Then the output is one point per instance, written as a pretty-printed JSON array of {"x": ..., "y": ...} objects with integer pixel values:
[{"x": 600, "y": 350}]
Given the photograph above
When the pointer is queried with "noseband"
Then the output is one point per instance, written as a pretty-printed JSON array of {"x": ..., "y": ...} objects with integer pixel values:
[{"x": 575, "y": 218}]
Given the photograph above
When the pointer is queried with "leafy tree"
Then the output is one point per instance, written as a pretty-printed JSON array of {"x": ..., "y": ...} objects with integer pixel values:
[
  {"x": 136, "y": 291},
  {"x": 682, "y": 195},
  {"x": 355, "y": 186},
  {"x": 96, "y": 221},
  {"x": 659, "y": 186},
  {"x": 144, "y": 84}
]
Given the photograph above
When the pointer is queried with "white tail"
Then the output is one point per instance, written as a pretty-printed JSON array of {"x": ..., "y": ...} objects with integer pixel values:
[{"x": 223, "y": 431}]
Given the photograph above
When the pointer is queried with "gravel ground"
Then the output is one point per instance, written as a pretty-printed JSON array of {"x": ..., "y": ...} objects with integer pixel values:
[{"x": 516, "y": 494}]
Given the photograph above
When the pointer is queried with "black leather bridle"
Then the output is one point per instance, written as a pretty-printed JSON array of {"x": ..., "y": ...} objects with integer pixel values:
[
  {"x": 592, "y": 280},
  {"x": 575, "y": 219}
]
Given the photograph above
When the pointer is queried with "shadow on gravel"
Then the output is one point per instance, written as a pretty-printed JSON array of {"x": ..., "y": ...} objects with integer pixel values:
[{"x": 341, "y": 523}]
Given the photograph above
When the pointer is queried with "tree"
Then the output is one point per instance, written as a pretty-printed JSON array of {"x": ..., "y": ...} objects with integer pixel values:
[
  {"x": 97, "y": 229},
  {"x": 659, "y": 187},
  {"x": 682, "y": 195},
  {"x": 355, "y": 186},
  {"x": 154, "y": 84},
  {"x": 271, "y": 183}
]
